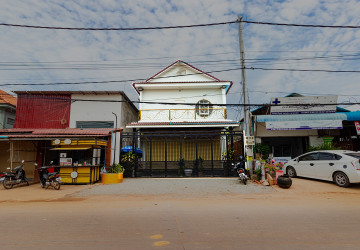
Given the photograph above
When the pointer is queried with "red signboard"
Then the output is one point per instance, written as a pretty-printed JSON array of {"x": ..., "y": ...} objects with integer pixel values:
[{"x": 357, "y": 126}]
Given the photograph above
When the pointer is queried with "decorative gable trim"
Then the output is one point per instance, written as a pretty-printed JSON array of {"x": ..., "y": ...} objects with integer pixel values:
[{"x": 179, "y": 61}]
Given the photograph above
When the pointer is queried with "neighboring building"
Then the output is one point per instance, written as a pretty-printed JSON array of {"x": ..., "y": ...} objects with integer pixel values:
[
  {"x": 164, "y": 109},
  {"x": 288, "y": 141},
  {"x": 7, "y": 110},
  {"x": 89, "y": 121},
  {"x": 76, "y": 109}
]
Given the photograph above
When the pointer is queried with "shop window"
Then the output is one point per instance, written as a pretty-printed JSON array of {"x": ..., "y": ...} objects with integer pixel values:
[
  {"x": 282, "y": 151},
  {"x": 10, "y": 121}
]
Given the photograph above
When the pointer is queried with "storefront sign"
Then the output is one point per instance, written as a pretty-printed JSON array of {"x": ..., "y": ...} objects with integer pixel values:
[
  {"x": 299, "y": 125},
  {"x": 309, "y": 105},
  {"x": 357, "y": 126},
  {"x": 249, "y": 140},
  {"x": 282, "y": 159}
]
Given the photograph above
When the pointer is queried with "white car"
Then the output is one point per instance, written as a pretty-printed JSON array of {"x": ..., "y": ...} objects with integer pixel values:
[{"x": 340, "y": 166}]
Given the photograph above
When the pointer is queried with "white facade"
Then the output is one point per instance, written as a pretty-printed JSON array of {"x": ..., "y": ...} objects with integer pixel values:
[
  {"x": 94, "y": 109},
  {"x": 180, "y": 85},
  {"x": 101, "y": 107}
]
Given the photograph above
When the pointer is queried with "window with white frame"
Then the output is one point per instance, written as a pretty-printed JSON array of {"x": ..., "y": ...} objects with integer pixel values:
[{"x": 204, "y": 108}]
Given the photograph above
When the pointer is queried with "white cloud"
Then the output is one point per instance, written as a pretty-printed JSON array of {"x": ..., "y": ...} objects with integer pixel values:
[{"x": 120, "y": 55}]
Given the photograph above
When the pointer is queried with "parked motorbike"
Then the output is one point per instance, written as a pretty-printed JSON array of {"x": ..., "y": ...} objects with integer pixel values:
[
  {"x": 241, "y": 171},
  {"x": 243, "y": 176},
  {"x": 14, "y": 177},
  {"x": 2, "y": 176},
  {"x": 49, "y": 179}
]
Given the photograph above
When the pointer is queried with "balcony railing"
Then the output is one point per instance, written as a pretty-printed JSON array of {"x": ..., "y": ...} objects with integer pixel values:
[{"x": 183, "y": 114}]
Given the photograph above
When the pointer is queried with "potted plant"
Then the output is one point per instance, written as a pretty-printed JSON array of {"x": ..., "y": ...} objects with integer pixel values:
[
  {"x": 198, "y": 166},
  {"x": 113, "y": 174},
  {"x": 128, "y": 161},
  {"x": 229, "y": 158},
  {"x": 181, "y": 167},
  {"x": 257, "y": 174},
  {"x": 262, "y": 150}
]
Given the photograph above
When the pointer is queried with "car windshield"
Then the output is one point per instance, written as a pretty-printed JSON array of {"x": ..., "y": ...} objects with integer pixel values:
[{"x": 355, "y": 155}]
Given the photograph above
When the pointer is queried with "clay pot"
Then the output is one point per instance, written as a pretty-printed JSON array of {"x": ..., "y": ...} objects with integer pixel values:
[{"x": 284, "y": 181}]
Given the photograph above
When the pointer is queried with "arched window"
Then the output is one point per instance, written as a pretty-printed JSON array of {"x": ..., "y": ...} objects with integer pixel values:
[{"x": 203, "y": 108}]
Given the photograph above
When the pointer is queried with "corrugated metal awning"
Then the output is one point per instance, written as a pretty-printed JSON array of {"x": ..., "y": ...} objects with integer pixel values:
[
  {"x": 346, "y": 116},
  {"x": 71, "y": 148}
]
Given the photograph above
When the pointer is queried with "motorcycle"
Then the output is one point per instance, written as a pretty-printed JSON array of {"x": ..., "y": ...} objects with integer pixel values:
[
  {"x": 2, "y": 178},
  {"x": 242, "y": 175},
  {"x": 14, "y": 177},
  {"x": 241, "y": 171},
  {"x": 49, "y": 179}
]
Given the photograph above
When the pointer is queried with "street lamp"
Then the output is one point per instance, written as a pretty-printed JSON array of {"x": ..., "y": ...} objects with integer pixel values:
[{"x": 115, "y": 135}]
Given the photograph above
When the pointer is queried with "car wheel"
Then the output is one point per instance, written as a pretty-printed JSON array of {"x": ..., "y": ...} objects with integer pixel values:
[
  {"x": 341, "y": 179},
  {"x": 290, "y": 171}
]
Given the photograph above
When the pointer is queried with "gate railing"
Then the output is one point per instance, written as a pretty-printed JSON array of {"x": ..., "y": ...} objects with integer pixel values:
[{"x": 182, "y": 114}]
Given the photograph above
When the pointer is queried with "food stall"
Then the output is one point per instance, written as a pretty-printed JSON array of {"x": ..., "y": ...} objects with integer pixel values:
[{"x": 79, "y": 159}]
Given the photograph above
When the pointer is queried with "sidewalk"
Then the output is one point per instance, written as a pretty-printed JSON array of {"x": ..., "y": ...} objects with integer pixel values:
[
  {"x": 34, "y": 192},
  {"x": 181, "y": 187}
]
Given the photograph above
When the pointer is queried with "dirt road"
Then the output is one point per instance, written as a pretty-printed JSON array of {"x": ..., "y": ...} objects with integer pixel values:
[{"x": 311, "y": 215}]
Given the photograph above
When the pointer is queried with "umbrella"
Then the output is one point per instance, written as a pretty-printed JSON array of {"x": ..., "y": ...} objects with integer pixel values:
[{"x": 127, "y": 149}]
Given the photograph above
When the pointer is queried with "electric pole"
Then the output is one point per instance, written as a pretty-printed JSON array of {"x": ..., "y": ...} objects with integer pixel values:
[{"x": 247, "y": 123}]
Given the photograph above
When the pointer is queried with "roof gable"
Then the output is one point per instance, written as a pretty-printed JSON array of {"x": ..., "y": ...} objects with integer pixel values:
[{"x": 181, "y": 71}]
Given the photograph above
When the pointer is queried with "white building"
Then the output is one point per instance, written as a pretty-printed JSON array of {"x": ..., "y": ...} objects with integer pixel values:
[
  {"x": 182, "y": 99},
  {"x": 182, "y": 96}
]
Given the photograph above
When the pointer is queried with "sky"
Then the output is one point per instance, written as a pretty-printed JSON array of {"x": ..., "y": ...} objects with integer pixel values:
[{"x": 48, "y": 56}]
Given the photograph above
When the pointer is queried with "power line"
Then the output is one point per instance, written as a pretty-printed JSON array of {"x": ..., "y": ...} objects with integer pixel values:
[
  {"x": 179, "y": 26},
  {"x": 113, "y": 81},
  {"x": 30, "y": 96},
  {"x": 208, "y": 72},
  {"x": 116, "y": 29},
  {"x": 308, "y": 70},
  {"x": 305, "y": 25}
]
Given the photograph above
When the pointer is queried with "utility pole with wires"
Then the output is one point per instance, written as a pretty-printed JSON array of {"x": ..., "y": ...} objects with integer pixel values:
[{"x": 248, "y": 139}]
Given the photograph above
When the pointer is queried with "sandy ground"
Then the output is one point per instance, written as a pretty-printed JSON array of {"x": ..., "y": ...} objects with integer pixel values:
[{"x": 311, "y": 214}]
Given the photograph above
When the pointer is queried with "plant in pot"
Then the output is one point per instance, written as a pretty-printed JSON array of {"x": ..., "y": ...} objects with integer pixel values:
[
  {"x": 198, "y": 167},
  {"x": 257, "y": 174},
  {"x": 229, "y": 158},
  {"x": 262, "y": 150},
  {"x": 181, "y": 167},
  {"x": 128, "y": 161},
  {"x": 113, "y": 174}
]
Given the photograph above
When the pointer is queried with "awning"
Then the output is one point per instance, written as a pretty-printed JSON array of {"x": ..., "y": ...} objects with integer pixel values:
[
  {"x": 346, "y": 116},
  {"x": 127, "y": 149},
  {"x": 79, "y": 142},
  {"x": 71, "y": 148}
]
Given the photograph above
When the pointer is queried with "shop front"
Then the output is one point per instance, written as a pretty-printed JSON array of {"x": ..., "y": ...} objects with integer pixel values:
[
  {"x": 79, "y": 160},
  {"x": 78, "y": 154}
]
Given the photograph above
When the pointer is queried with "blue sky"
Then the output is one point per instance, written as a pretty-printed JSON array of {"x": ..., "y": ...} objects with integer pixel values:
[{"x": 52, "y": 56}]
